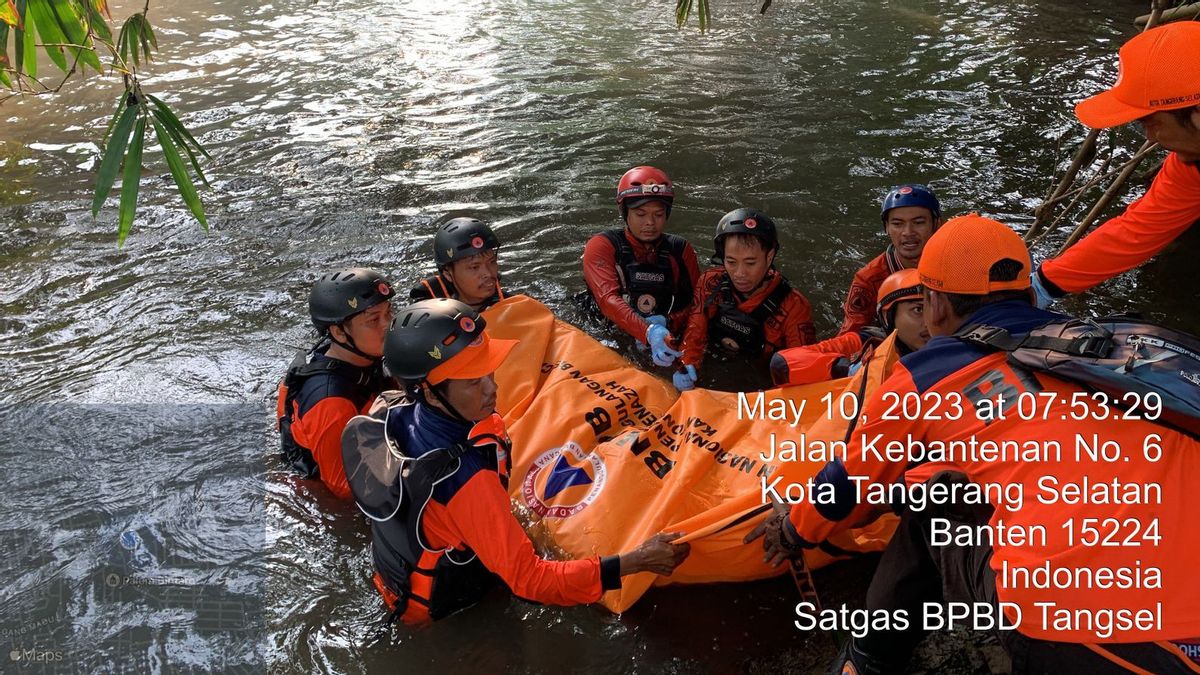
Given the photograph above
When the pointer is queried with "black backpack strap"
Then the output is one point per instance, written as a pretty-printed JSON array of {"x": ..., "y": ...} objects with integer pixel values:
[
  {"x": 1095, "y": 346},
  {"x": 624, "y": 251}
]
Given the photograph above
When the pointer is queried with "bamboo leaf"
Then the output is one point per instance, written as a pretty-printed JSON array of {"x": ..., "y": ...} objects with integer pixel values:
[
  {"x": 130, "y": 179},
  {"x": 179, "y": 173},
  {"x": 99, "y": 25},
  {"x": 101, "y": 7},
  {"x": 148, "y": 34},
  {"x": 47, "y": 27},
  {"x": 75, "y": 28},
  {"x": 181, "y": 142},
  {"x": 26, "y": 44},
  {"x": 113, "y": 152},
  {"x": 9, "y": 14},
  {"x": 174, "y": 122},
  {"x": 123, "y": 44},
  {"x": 4, "y": 64}
]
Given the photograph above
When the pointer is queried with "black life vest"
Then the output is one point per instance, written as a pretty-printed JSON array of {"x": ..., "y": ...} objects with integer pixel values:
[
  {"x": 1125, "y": 357},
  {"x": 739, "y": 332},
  {"x": 393, "y": 489},
  {"x": 653, "y": 288},
  {"x": 438, "y": 286},
  {"x": 362, "y": 384}
]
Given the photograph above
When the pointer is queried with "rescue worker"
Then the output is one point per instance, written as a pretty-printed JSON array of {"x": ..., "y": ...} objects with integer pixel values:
[
  {"x": 639, "y": 277},
  {"x": 976, "y": 273},
  {"x": 431, "y": 475},
  {"x": 910, "y": 214},
  {"x": 341, "y": 375},
  {"x": 899, "y": 308},
  {"x": 1165, "y": 101},
  {"x": 465, "y": 251},
  {"x": 745, "y": 306}
]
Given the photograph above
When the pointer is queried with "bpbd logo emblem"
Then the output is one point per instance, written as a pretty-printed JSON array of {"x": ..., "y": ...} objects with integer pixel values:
[{"x": 563, "y": 481}]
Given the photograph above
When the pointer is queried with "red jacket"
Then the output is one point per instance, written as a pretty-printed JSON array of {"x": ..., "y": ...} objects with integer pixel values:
[
  {"x": 1170, "y": 206},
  {"x": 790, "y": 326},
  {"x": 815, "y": 362},
  {"x": 600, "y": 273},
  {"x": 955, "y": 373},
  {"x": 860, "y": 303}
]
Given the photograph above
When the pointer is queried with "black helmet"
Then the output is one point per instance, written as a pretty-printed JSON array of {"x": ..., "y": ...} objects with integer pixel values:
[
  {"x": 428, "y": 333},
  {"x": 340, "y": 295},
  {"x": 745, "y": 221},
  {"x": 460, "y": 238}
]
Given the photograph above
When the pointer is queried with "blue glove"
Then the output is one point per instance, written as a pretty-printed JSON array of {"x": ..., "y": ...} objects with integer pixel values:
[
  {"x": 685, "y": 380},
  {"x": 656, "y": 320},
  {"x": 657, "y": 336},
  {"x": 1042, "y": 296}
]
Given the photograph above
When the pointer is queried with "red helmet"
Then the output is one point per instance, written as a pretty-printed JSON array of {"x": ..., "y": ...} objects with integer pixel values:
[{"x": 641, "y": 184}]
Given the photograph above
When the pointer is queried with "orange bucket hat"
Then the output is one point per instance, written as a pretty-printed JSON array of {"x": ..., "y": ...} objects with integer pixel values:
[
  {"x": 959, "y": 257},
  {"x": 1159, "y": 69}
]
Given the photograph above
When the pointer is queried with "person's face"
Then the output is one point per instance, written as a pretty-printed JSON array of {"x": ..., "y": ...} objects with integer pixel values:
[
  {"x": 476, "y": 277},
  {"x": 1166, "y": 130},
  {"x": 746, "y": 263},
  {"x": 369, "y": 328},
  {"x": 910, "y": 323},
  {"x": 473, "y": 399},
  {"x": 909, "y": 228},
  {"x": 648, "y": 221}
]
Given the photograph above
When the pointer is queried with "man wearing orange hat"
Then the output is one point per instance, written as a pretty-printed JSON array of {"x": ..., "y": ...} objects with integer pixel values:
[
  {"x": 1158, "y": 86},
  {"x": 432, "y": 477},
  {"x": 975, "y": 272}
]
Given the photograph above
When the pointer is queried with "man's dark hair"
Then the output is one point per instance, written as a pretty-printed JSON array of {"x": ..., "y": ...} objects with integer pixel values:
[
  {"x": 1184, "y": 115},
  {"x": 1006, "y": 269}
]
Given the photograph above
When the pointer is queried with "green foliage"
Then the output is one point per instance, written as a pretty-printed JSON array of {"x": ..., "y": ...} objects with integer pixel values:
[
  {"x": 71, "y": 33},
  {"x": 683, "y": 9}
]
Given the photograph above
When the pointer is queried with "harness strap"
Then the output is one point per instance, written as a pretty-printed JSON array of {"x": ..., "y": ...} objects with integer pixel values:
[{"x": 1096, "y": 346}]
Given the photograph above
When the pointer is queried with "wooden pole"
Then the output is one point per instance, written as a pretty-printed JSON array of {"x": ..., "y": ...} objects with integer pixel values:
[
  {"x": 1106, "y": 199},
  {"x": 1166, "y": 15},
  {"x": 1040, "y": 214}
]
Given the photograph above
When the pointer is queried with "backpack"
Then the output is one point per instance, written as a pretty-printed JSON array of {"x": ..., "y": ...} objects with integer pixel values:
[{"x": 1128, "y": 359}]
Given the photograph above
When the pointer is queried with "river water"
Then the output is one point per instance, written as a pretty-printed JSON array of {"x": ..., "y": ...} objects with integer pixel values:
[{"x": 148, "y": 526}]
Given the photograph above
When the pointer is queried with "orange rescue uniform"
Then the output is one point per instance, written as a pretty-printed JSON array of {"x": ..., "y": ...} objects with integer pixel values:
[
  {"x": 789, "y": 326},
  {"x": 951, "y": 380},
  {"x": 859, "y": 308},
  {"x": 1170, "y": 206}
]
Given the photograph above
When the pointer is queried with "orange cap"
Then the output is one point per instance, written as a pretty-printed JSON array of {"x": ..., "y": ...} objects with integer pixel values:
[
  {"x": 959, "y": 257},
  {"x": 481, "y": 357},
  {"x": 1159, "y": 69}
]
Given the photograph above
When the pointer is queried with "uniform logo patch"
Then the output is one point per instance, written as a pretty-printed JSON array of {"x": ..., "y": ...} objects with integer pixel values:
[
  {"x": 353, "y": 302},
  {"x": 563, "y": 481},
  {"x": 476, "y": 242},
  {"x": 467, "y": 324},
  {"x": 384, "y": 289},
  {"x": 750, "y": 223},
  {"x": 646, "y": 303},
  {"x": 436, "y": 352},
  {"x": 450, "y": 253},
  {"x": 860, "y": 299},
  {"x": 906, "y": 190}
]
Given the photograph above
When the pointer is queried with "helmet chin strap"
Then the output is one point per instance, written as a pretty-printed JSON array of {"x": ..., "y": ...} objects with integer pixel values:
[
  {"x": 446, "y": 404},
  {"x": 349, "y": 346}
]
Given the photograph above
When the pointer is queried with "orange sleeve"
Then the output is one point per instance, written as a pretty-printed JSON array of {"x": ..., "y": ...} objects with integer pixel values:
[
  {"x": 695, "y": 338},
  {"x": 798, "y": 329},
  {"x": 482, "y": 515},
  {"x": 600, "y": 273},
  {"x": 817, "y": 523},
  {"x": 1170, "y": 206},
  {"x": 678, "y": 319},
  {"x": 859, "y": 308},
  {"x": 846, "y": 344},
  {"x": 321, "y": 432}
]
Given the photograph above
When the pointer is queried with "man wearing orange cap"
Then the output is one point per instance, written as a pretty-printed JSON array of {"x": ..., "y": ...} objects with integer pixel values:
[
  {"x": 432, "y": 477},
  {"x": 1158, "y": 85},
  {"x": 976, "y": 274}
]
